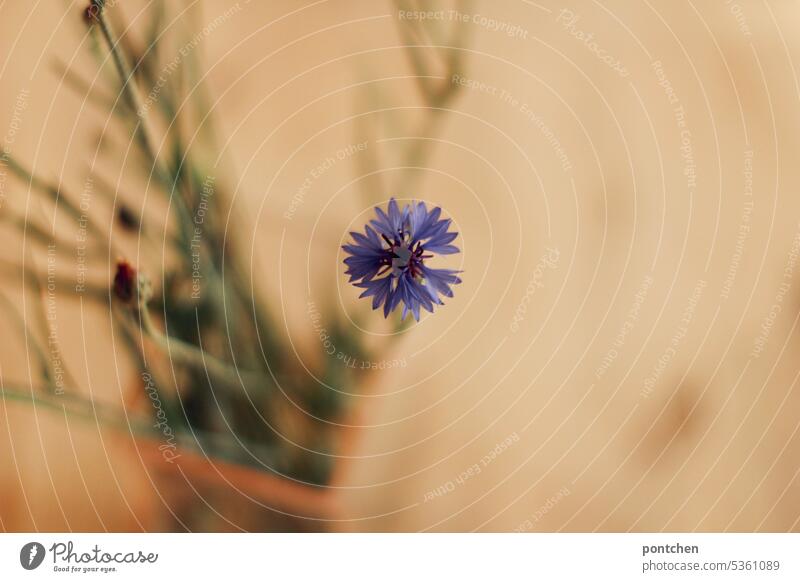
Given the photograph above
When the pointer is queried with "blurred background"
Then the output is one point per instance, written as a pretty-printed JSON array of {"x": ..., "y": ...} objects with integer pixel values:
[{"x": 622, "y": 352}]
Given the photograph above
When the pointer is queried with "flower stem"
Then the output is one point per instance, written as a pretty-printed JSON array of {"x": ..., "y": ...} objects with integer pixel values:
[{"x": 190, "y": 355}]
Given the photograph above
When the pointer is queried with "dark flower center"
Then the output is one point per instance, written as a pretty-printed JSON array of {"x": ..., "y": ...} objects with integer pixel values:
[{"x": 403, "y": 256}]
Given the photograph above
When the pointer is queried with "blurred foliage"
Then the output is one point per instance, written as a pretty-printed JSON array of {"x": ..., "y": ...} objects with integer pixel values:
[{"x": 229, "y": 384}]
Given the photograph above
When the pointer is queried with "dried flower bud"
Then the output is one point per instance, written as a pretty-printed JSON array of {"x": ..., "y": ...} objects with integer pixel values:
[
  {"x": 92, "y": 11},
  {"x": 128, "y": 219},
  {"x": 125, "y": 282}
]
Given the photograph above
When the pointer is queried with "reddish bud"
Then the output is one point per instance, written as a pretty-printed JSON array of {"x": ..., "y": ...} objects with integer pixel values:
[
  {"x": 92, "y": 12},
  {"x": 125, "y": 282}
]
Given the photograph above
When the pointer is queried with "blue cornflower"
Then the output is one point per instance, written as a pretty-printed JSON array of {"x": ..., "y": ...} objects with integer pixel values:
[{"x": 389, "y": 261}]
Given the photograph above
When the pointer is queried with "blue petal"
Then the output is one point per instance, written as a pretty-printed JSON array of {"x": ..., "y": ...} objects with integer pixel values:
[
  {"x": 357, "y": 251},
  {"x": 443, "y": 250},
  {"x": 441, "y": 239},
  {"x": 382, "y": 224},
  {"x": 378, "y": 289},
  {"x": 426, "y": 224},
  {"x": 417, "y": 216},
  {"x": 438, "y": 281},
  {"x": 395, "y": 217},
  {"x": 366, "y": 242}
]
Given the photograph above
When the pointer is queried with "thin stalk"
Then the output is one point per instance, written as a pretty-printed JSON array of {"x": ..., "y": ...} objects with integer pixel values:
[
  {"x": 190, "y": 355},
  {"x": 142, "y": 129},
  {"x": 87, "y": 410},
  {"x": 55, "y": 194}
]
